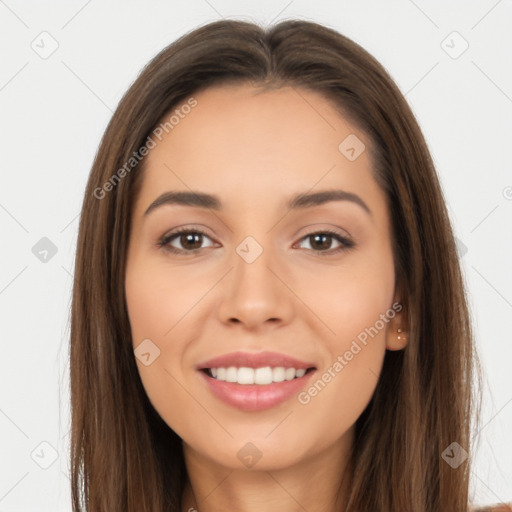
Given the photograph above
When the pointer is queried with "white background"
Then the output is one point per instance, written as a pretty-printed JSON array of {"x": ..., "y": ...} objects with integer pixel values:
[{"x": 54, "y": 112}]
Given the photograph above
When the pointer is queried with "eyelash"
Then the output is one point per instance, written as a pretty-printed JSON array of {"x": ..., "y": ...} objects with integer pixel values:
[{"x": 164, "y": 241}]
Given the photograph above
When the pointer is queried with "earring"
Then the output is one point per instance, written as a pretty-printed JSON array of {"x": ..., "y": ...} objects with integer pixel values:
[{"x": 399, "y": 330}]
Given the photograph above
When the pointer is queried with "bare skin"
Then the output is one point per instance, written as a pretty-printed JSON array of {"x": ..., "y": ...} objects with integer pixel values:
[{"x": 255, "y": 150}]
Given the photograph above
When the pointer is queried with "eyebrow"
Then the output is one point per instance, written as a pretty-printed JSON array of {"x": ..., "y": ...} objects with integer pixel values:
[{"x": 299, "y": 201}]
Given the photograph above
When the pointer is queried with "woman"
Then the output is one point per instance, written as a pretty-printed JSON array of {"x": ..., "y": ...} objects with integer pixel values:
[{"x": 268, "y": 309}]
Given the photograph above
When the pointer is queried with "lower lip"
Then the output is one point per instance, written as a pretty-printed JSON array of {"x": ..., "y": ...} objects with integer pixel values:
[{"x": 256, "y": 397}]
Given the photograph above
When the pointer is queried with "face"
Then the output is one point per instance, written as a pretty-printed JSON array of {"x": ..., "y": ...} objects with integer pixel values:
[{"x": 259, "y": 279}]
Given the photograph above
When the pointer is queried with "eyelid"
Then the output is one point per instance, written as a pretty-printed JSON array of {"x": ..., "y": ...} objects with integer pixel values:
[
  {"x": 345, "y": 241},
  {"x": 165, "y": 240}
]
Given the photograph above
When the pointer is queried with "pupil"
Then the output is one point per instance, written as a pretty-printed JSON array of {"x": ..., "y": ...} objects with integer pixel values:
[
  {"x": 316, "y": 237},
  {"x": 190, "y": 238}
]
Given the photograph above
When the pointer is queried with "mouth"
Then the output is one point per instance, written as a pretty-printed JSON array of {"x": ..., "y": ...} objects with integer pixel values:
[
  {"x": 255, "y": 381},
  {"x": 262, "y": 376}
]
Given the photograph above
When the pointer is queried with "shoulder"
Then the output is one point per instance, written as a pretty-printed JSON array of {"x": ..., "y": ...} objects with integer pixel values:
[{"x": 503, "y": 507}]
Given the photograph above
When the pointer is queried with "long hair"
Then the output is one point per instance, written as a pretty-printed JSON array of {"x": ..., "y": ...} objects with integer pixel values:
[{"x": 123, "y": 455}]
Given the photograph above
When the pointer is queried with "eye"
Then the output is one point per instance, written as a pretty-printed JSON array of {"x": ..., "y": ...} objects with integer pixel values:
[
  {"x": 323, "y": 240},
  {"x": 191, "y": 241}
]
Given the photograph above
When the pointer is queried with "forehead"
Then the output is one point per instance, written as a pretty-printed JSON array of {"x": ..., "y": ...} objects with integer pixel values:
[{"x": 245, "y": 144}]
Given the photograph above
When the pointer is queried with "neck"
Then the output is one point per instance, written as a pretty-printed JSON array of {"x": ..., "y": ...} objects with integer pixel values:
[{"x": 315, "y": 484}]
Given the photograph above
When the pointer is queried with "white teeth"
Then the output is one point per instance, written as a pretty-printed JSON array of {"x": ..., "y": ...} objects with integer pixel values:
[
  {"x": 289, "y": 374},
  {"x": 245, "y": 376},
  {"x": 262, "y": 376},
  {"x": 278, "y": 374},
  {"x": 231, "y": 374}
]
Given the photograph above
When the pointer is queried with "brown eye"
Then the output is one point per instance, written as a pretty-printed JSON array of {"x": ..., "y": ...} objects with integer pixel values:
[
  {"x": 189, "y": 240},
  {"x": 321, "y": 242}
]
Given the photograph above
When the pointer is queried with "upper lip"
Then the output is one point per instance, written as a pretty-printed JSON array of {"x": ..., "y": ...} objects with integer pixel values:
[{"x": 254, "y": 360}]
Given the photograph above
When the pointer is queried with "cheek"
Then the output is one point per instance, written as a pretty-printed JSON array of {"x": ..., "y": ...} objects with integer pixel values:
[
  {"x": 157, "y": 298},
  {"x": 351, "y": 298},
  {"x": 161, "y": 306},
  {"x": 154, "y": 308},
  {"x": 355, "y": 303},
  {"x": 345, "y": 384}
]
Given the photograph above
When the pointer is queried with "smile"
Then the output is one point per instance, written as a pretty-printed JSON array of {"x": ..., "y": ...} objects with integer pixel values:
[
  {"x": 262, "y": 376},
  {"x": 254, "y": 389}
]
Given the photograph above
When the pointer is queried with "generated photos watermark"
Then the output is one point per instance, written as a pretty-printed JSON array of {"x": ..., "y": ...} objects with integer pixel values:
[
  {"x": 158, "y": 133},
  {"x": 304, "y": 397}
]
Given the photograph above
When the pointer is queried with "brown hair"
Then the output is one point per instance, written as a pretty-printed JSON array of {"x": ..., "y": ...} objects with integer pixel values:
[{"x": 123, "y": 455}]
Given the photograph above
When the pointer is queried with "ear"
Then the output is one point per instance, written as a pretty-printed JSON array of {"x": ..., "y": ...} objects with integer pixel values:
[{"x": 397, "y": 333}]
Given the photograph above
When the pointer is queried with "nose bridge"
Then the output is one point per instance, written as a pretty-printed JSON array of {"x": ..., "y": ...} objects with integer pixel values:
[
  {"x": 254, "y": 293},
  {"x": 251, "y": 273}
]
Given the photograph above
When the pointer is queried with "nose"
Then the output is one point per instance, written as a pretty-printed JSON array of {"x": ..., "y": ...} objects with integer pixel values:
[{"x": 255, "y": 293}]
